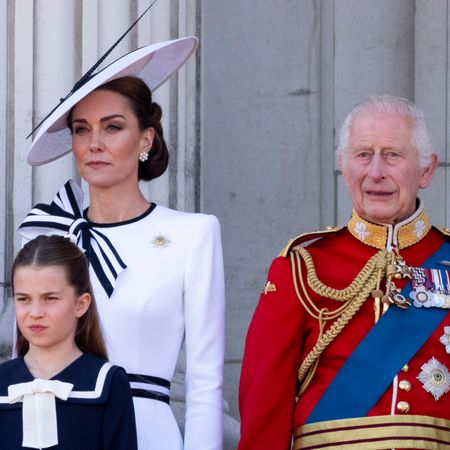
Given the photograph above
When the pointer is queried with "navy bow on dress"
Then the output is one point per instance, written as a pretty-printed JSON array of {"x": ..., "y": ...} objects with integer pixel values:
[{"x": 64, "y": 216}]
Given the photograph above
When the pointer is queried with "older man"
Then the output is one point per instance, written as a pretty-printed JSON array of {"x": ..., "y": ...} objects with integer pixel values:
[{"x": 349, "y": 346}]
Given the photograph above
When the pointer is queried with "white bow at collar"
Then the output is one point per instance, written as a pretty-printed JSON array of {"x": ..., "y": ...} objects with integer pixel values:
[{"x": 39, "y": 410}]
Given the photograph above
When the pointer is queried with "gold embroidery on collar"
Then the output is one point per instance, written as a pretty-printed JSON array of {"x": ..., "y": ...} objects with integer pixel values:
[
  {"x": 376, "y": 235},
  {"x": 414, "y": 231}
]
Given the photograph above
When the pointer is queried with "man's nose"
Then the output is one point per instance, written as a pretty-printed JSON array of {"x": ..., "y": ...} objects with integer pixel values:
[{"x": 377, "y": 167}]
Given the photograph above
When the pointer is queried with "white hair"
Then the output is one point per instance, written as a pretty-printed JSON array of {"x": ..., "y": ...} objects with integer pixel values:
[{"x": 391, "y": 106}]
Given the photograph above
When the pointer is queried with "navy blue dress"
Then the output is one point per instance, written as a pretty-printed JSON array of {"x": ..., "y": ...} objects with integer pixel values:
[{"x": 98, "y": 415}]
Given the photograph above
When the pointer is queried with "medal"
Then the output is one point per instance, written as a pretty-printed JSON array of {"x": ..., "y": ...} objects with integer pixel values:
[
  {"x": 396, "y": 298},
  {"x": 435, "y": 378},
  {"x": 430, "y": 288}
]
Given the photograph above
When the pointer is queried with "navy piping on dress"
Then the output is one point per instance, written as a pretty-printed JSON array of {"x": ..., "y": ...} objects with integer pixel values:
[{"x": 160, "y": 387}]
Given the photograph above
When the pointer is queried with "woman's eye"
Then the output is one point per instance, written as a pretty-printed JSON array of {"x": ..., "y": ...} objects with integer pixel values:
[
  {"x": 113, "y": 128},
  {"x": 79, "y": 130},
  {"x": 21, "y": 299}
]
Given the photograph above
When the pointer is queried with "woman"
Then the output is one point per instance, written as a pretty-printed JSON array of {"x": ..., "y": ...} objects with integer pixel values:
[
  {"x": 61, "y": 376},
  {"x": 157, "y": 273}
]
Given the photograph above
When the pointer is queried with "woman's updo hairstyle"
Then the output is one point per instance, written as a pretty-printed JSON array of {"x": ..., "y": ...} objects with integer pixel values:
[{"x": 148, "y": 114}]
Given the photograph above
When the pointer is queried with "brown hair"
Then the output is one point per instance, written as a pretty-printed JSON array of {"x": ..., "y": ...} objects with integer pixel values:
[
  {"x": 148, "y": 114},
  {"x": 45, "y": 251}
]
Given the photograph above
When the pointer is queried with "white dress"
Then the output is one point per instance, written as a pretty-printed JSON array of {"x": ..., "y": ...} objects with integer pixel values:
[{"x": 171, "y": 291}]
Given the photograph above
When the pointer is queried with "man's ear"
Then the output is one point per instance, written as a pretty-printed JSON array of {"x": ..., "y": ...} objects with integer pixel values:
[
  {"x": 426, "y": 174},
  {"x": 341, "y": 159}
]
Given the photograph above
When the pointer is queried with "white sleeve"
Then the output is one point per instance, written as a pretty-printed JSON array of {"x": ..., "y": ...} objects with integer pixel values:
[{"x": 204, "y": 306}]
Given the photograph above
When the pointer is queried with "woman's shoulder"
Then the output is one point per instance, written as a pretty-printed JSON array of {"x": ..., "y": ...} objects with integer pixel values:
[{"x": 186, "y": 218}]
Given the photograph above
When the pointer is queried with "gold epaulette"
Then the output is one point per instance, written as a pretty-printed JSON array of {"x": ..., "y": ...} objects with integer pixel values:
[
  {"x": 444, "y": 230},
  {"x": 306, "y": 237}
]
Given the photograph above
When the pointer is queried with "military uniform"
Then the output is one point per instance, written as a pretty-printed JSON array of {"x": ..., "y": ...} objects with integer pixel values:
[{"x": 306, "y": 318}]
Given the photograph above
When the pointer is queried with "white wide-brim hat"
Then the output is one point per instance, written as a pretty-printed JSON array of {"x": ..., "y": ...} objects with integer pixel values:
[{"x": 153, "y": 63}]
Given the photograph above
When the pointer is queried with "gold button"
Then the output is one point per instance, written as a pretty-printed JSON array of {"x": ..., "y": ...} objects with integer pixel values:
[
  {"x": 405, "y": 385},
  {"x": 405, "y": 368},
  {"x": 403, "y": 406}
]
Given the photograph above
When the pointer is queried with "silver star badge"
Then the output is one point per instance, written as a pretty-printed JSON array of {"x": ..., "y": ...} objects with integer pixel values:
[{"x": 435, "y": 378}]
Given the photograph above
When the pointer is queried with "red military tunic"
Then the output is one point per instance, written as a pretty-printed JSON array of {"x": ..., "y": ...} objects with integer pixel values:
[{"x": 282, "y": 333}]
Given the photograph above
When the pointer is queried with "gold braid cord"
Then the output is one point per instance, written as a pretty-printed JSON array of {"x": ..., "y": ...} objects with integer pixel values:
[{"x": 352, "y": 297}]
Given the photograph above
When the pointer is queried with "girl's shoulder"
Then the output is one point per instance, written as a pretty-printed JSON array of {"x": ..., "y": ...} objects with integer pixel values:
[
  {"x": 91, "y": 378},
  {"x": 10, "y": 364},
  {"x": 13, "y": 370}
]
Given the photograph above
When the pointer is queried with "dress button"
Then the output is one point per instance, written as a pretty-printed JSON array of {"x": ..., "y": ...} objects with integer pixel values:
[
  {"x": 405, "y": 385},
  {"x": 405, "y": 368},
  {"x": 403, "y": 407}
]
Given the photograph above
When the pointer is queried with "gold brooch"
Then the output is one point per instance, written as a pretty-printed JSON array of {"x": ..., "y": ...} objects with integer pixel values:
[{"x": 160, "y": 241}]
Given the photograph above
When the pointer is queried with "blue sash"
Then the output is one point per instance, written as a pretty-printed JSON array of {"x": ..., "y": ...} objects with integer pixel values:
[{"x": 372, "y": 366}]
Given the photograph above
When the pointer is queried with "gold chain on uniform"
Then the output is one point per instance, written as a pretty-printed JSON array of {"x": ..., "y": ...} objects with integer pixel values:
[{"x": 368, "y": 280}]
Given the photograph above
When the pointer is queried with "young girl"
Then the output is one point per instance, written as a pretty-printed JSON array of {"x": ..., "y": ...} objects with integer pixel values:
[{"x": 60, "y": 392}]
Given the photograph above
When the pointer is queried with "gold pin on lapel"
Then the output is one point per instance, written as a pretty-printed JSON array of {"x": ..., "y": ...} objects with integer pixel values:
[
  {"x": 269, "y": 287},
  {"x": 160, "y": 241}
]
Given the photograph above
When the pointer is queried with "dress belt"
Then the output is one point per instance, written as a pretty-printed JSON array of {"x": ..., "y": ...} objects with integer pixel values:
[{"x": 140, "y": 387}]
